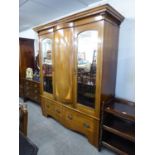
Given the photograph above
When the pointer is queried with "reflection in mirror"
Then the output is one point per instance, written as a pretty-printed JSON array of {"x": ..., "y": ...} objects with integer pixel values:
[
  {"x": 47, "y": 65},
  {"x": 86, "y": 63}
]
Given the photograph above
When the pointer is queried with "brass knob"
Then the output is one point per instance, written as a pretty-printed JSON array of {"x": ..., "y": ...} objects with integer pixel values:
[
  {"x": 85, "y": 125},
  {"x": 36, "y": 97},
  {"x": 70, "y": 117},
  {"x": 58, "y": 111},
  {"x": 47, "y": 106}
]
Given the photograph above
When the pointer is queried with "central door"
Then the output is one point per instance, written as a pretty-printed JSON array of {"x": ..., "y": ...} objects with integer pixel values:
[{"x": 63, "y": 64}]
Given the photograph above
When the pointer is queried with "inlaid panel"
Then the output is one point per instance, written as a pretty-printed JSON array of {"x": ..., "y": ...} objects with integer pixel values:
[{"x": 63, "y": 64}]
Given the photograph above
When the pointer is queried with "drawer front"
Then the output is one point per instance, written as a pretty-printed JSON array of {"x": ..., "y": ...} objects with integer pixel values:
[
  {"x": 72, "y": 119},
  {"x": 32, "y": 84},
  {"x": 35, "y": 85},
  {"x": 36, "y": 98},
  {"x": 84, "y": 123},
  {"x": 31, "y": 90},
  {"x": 77, "y": 121},
  {"x": 68, "y": 118},
  {"x": 53, "y": 109},
  {"x": 35, "y": 92},
  {"x": 57, "y": 112},
  {"x": 27, "y": 83},
  {"x": 28, "y": 93},
  {"x": 49, "y": 107},
  {"x": 27, "y": 88},
  {"x": 32, "y": 94}
]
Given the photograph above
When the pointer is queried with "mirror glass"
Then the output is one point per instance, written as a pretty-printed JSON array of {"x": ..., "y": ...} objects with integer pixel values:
[
  {"x": 47, "y": 65},
  {"x": 86, "y": 67}
]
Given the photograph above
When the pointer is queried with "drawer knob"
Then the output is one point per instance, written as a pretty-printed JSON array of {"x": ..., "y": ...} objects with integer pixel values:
[
  {"x": 85, "y": 125},
  {"x": 47, "y": 106},
  {"x": 70, "y": 117},
  {"x": 36, "y": 97},
  {"x": 58, "y": 111}
]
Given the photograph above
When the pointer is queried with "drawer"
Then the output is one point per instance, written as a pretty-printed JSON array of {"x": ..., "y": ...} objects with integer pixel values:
[
  {"x": 84, "y": 123},
  {"x": 27, "y": 88},
  {"x": 32, "y": 84},
  {"x": 77, "y": 121},
  {"x": 68, "y": 118},
  {"x": 35, "y": 91},
  {"x": 36, "y": 98},
  {"x": 57, "y": 112},
  {"x": 27, "y": 93},
  {"x": 35, "y": 85},
  {"x": 32, "y": 90},
  {"x": 49, "y": 107},
  {"x": 28, "y": 83}
]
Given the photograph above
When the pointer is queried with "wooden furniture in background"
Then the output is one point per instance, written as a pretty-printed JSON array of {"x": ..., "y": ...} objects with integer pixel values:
[
  {"x": 23, "y": 120},
  {"x": 26, "y": 146},
  {"x": 26, "y": 59},
  {"x": 118, "y": 126},
  {"x": 74, "y": 86},
  {"x": 31, "y": 90}
]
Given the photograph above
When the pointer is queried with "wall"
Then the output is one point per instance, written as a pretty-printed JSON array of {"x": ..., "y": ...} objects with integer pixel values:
[{"x": 125, "y": 81}]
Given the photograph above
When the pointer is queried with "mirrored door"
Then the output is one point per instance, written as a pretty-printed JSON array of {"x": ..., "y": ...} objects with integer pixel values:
[
  {"x": 87, "y": 50},
  {"x": 47, "y": 65}
]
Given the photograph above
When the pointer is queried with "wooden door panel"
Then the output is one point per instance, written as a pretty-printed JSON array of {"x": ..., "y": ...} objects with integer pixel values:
[{"x": 63, "y": 64}]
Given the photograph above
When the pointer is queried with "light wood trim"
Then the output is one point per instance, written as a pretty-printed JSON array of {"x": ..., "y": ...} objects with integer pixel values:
[{"x": 104, "y": 9}]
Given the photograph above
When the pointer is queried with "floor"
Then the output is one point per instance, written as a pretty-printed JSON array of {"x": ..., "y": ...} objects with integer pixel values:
[{"x": 54, "y": 139}]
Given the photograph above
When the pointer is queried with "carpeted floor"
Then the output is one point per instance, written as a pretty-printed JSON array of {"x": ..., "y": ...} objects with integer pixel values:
[{"x": 54, "y": 139}]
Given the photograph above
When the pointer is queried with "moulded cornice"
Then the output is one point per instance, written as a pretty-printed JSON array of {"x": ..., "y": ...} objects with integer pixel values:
[{"x": 105, "y": 10}]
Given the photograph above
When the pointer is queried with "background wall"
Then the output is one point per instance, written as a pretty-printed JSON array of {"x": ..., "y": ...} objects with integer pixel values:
[{"x": 125, "y": 82}]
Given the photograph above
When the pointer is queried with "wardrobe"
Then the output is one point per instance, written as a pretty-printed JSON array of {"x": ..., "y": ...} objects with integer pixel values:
[
  {"x": 28, "y": 88},
  {"x": 26, "y": 59},
  {"x": 78, "y": 62}
]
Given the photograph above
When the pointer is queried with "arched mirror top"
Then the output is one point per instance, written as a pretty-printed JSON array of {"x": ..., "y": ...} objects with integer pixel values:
[{"x": 47, "y": 51}]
